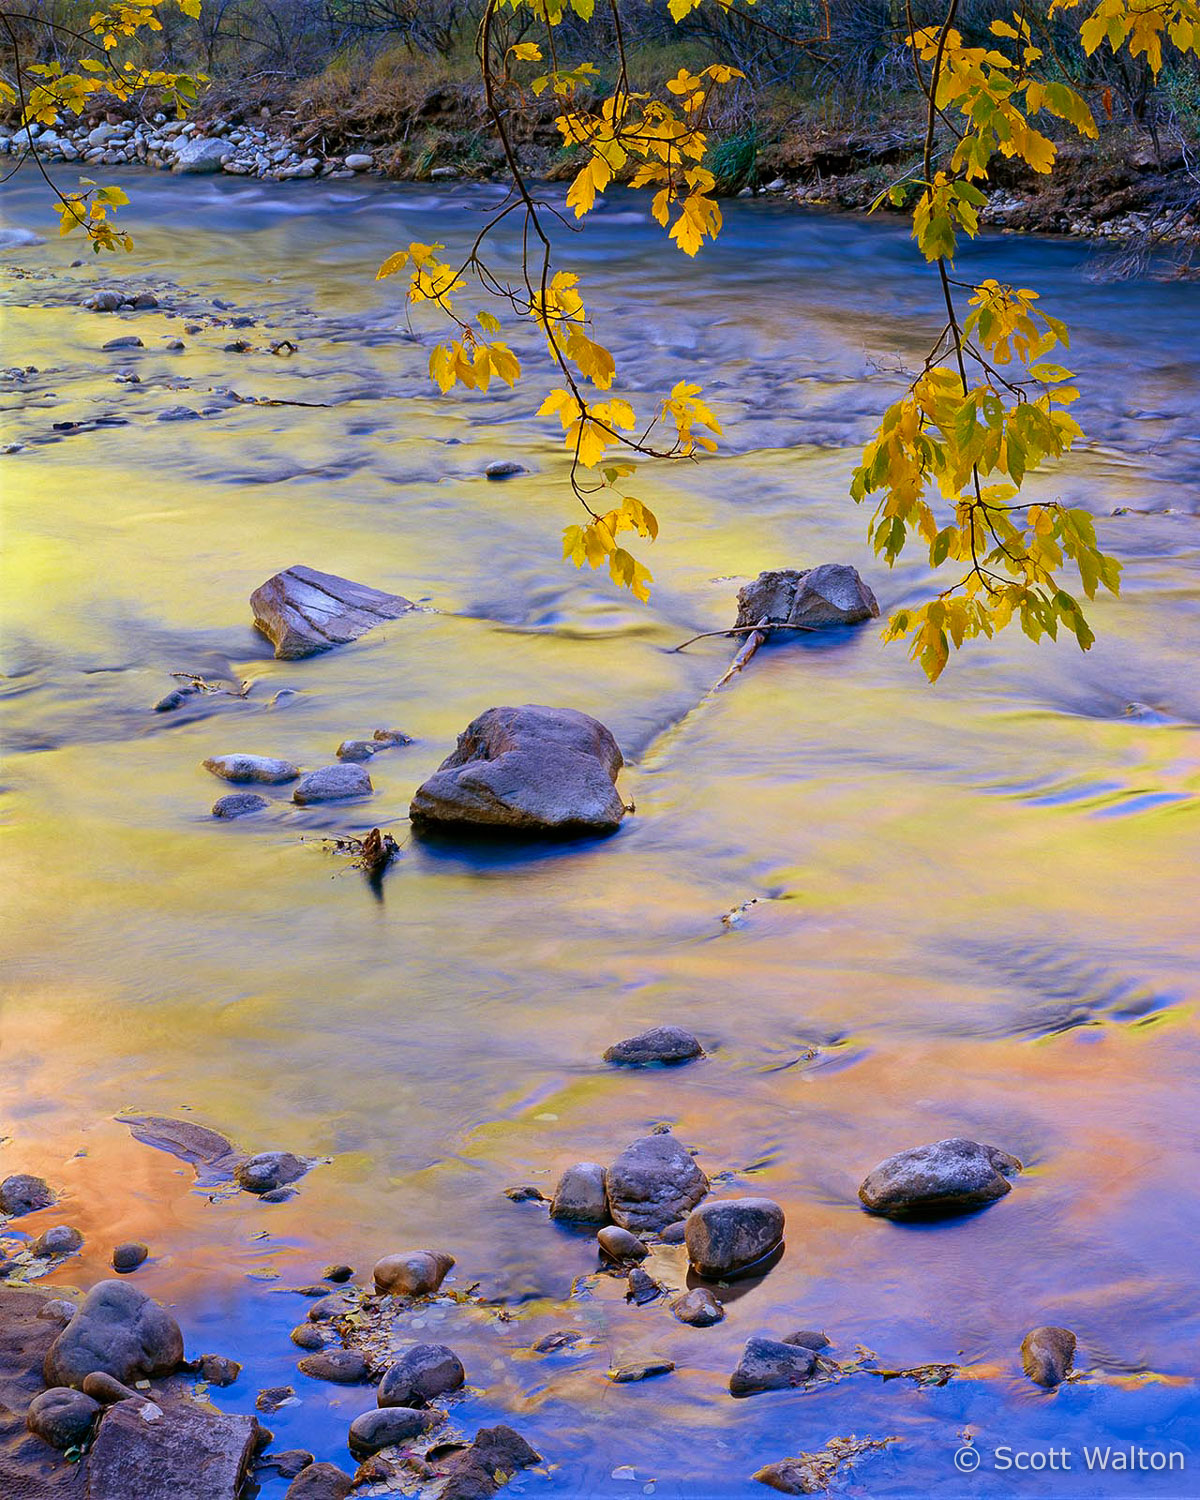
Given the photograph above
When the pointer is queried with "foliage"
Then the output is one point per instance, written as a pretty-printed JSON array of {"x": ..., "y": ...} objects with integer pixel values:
[
  {"x": 46, "y": 91},
  {"x": 991, "y": 403}
]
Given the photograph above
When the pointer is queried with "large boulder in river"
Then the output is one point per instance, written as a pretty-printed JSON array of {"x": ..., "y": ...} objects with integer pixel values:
[
  {"x": 119, "y": 1331},
  {"x": 948, "y": 1177},
  {"x": 527, "y": 770},
  {"x": 807, "y": 598},
  {"x": 303, "y": 612},
  {"x": 23, "y": 1193},
  {"x": 653, "y": 1183}
]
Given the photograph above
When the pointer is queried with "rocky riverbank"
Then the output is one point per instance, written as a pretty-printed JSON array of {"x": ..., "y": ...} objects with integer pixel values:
[{"x": 1127, "y": 187}]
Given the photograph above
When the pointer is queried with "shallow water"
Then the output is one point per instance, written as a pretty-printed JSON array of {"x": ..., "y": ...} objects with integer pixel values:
[{"x": 968, "y": 909}]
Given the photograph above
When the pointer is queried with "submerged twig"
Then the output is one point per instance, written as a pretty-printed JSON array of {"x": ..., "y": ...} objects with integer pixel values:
[
  {"x": 739, "y": 630},
  {"x": 751, "y": 644}
]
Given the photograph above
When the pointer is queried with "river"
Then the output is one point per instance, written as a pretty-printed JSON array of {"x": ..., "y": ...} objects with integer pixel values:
[{"x": 892, "y": 912}]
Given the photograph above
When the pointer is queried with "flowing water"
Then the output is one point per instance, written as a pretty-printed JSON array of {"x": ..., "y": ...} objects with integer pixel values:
[{"x": 892, "y": 912}]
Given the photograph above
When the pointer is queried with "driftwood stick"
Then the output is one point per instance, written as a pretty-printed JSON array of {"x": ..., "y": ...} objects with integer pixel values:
[
  {"x": 751, "y": 644},
  {"x": 738, "y": 630}
]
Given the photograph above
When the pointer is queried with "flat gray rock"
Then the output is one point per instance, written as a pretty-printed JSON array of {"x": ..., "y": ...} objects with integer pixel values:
[
  {"x": 947, "y": 1177},
  {"x": 728, "y": 1237},
  {"x": 807, "y": 598},
  {"x": 530, "y": 770},
  {"x": 770, "y": 1365},
  {"x": 333, "y": 784},
  {"x": 118, "y": 1331},
  {"x": 267, "y": 770},
  {"x": 661, "y": 1044},
  {"x": 303, "y": 612},
  {"x": 214, "y": 1158},
  {"x": 201, "y": 154},
  {"x": 652, "y": 1183},
  {"x": 185, "y": 1452}
]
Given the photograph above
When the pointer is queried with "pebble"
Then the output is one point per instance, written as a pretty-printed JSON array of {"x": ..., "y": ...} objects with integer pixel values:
[
  {"x": 24, "y": 1194},
  {"x": 359, "y": 161},
  {"x": 62, "y": 1417},
  {"x": 129, "y": 1256},
  {"x": 1047, "y": 1354},
  {"x": 619, "y": 1244},
  {"x": 420, "y": 1374},
  {"x": 265, "y": 769},
  {"x": 581, "y": 1195},
  {"x": 333, "y": 784},
  {"x": 661, "y": 1044},
  {"x": 412, "y": 1273},
  {"x": 339, "y": 1366},
  {"x": 640, "y": 1369},
  {"x": 269, "y": 1170},
  {"x": 386, "y": 1425},
  {"x": 698, "y": 1308},
  {"x": 217, "y": 1370},
  {"x": 561, "y": 1338},
  {"x": 62, "y": 1239},
  {"x": 358, "y": 749},
  {"x": 238, "y": 805},
  {"x": 771, "y": 1365},
  {"x": 290, "y": 1462}
]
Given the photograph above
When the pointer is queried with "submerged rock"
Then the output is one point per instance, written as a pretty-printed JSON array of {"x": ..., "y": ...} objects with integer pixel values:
[
  {"x": 387, "y": 1425},
  {"x": 412, "y": 1273},
  {"x": 384, "y": 737},
  {"x": 698, "y": 1308},
  {"x": 303, "y": 612},
  {"x": 640, "y": 1369},
  {"x": 652, "y": 1183},
  {"x": 125, "y": 341},
  {"x": 832, "y": 594},
  {"x": 338, "y": 1366},
  {"x": 24, "y": 1194},
  {"x": 581, "y": 1194},
  {"x": 290, "y": 1462},
  {"x": 333, "y": 784},
  {"x": 661, "y": 1044},
  {"x": 358, "y": 749},
  {"x": 1047, "y": 1354},
  {"x": 504, "y": 468},
  {"x": 214, "y": 1158},
  {"x": 118, "y": 1331},
  {"x": 239, "y": 805},
  {"x": 947, "y": 1177},
  {"x": 270, "y": 1170},
  {"x": 492, "y": 1459},
  {"x": 320, "y": 1482},
  {"x": 62, "y": 1417},
  {"x": 420, "y": 1374},
  {"x": 532, "y": 770},
  {"x": 265, "y": 769},
  {"x": 727, "y": 1237},
  {"x": 771, "y": 1365},
  {"x": 61, "y": 1239},
  {"x": 219, "y": 1370}
]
